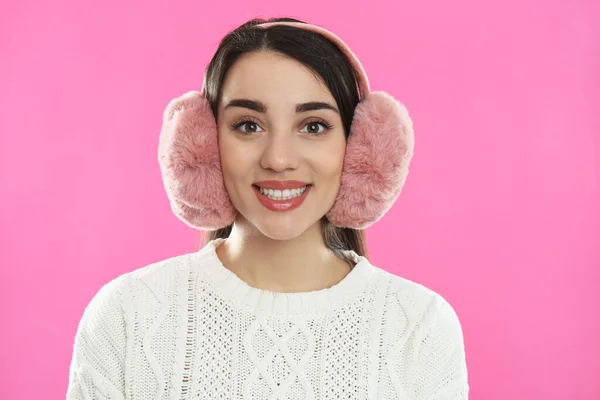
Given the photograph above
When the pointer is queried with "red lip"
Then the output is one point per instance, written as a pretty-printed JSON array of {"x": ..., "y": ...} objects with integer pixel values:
[
  {"x": 281, "y": 205},
  {"x": 281, "y": 185}
]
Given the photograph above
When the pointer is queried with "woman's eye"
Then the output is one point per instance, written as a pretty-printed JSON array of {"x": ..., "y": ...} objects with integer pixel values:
[
  {"x": 313, "y": 128},
  {"x": 250, "y": 127}
]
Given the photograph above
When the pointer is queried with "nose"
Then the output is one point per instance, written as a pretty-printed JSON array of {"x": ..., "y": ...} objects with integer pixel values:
[{"x": 280, "y": 152}]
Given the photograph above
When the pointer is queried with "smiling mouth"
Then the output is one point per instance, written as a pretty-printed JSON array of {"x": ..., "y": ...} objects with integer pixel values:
[{"x": 281, "y": 195}]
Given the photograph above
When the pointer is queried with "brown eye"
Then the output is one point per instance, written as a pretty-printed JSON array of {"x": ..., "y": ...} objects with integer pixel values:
[
  {"x": 314, "y": 128},
  {"x": 247, "y": 126},
  {"x": 251, "y": 127}
]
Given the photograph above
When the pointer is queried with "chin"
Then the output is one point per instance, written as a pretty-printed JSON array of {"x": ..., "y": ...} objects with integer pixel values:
[
  {"x": 281, "y": 228},
  {"x": 282, "y": 225}
]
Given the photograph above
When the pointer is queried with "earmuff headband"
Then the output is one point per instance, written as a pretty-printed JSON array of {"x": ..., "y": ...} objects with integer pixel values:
[{"x": 359, "y": 72}]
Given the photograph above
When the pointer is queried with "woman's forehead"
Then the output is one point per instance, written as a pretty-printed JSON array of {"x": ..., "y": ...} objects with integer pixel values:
[{"x": 273, "y": 77}]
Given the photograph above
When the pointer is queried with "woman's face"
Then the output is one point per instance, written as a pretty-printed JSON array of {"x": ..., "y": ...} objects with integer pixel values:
[{"x": 279, "y": 127}]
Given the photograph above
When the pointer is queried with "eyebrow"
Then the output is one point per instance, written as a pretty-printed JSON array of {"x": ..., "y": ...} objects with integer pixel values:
[{"x": 262, "y": 108}]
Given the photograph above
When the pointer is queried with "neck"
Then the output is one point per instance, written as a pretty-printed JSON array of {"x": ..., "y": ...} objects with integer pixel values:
[{"x": 302, "y": 264}]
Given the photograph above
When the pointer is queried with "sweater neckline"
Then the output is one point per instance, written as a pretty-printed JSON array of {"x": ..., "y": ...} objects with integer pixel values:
[{"x": 241, "y": 295}]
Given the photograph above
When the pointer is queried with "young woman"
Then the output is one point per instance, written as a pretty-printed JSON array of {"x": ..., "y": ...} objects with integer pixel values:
[{"x": 284, "y": 157}]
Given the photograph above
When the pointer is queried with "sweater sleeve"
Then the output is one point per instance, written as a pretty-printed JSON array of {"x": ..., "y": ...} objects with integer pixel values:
[
  {"x": 441, "y": 369},
  {"x": 97, "y": 369}
]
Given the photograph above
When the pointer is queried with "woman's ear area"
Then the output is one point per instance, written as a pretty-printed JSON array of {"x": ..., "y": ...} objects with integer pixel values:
[
  {"x": 378, "y": 155},
  {"x": 190, "y": 163}
]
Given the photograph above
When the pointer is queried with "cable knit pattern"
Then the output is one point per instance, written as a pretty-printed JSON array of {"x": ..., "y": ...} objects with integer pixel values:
[{"x": 189, "y": 328}]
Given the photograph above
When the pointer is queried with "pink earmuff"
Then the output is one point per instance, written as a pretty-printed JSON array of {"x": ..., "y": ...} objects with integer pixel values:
[{"x": 378, "y": 153}]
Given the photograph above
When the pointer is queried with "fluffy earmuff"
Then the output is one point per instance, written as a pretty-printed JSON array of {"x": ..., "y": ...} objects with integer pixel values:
[
  {"x": 378, "y": 153},
  {"x": 190, "y": 165}
]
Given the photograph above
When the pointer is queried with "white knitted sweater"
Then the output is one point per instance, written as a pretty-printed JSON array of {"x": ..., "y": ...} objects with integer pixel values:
[{"x": 189, "y": 328}]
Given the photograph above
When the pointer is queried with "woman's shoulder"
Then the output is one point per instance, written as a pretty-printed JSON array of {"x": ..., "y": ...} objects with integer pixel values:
[
  {"x": 160, "y": 271},
  {"x": 426, "y": 344},
  {"x": 419, "y": 305},
  {"x": 157, "y": 278}
]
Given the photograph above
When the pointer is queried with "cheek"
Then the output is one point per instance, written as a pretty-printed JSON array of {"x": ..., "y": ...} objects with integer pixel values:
[
  {"x": 329, "y": 160},
  {"x": 233, "y": 161}
]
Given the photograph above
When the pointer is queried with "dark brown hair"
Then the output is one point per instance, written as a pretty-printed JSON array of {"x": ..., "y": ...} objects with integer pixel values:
[{"x": 318, "y": 54}]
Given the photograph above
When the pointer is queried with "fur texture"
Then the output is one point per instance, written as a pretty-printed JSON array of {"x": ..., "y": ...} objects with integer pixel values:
[
  {"x": 378, "y": 154},
  {"x": 190, "y": 164}
]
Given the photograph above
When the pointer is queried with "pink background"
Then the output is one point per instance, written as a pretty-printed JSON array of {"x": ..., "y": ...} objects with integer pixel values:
[{"x": 500, "y": 213}]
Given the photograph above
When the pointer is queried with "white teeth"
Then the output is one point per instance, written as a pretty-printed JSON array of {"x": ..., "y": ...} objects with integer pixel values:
[{"x": 286, "y": 194}]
